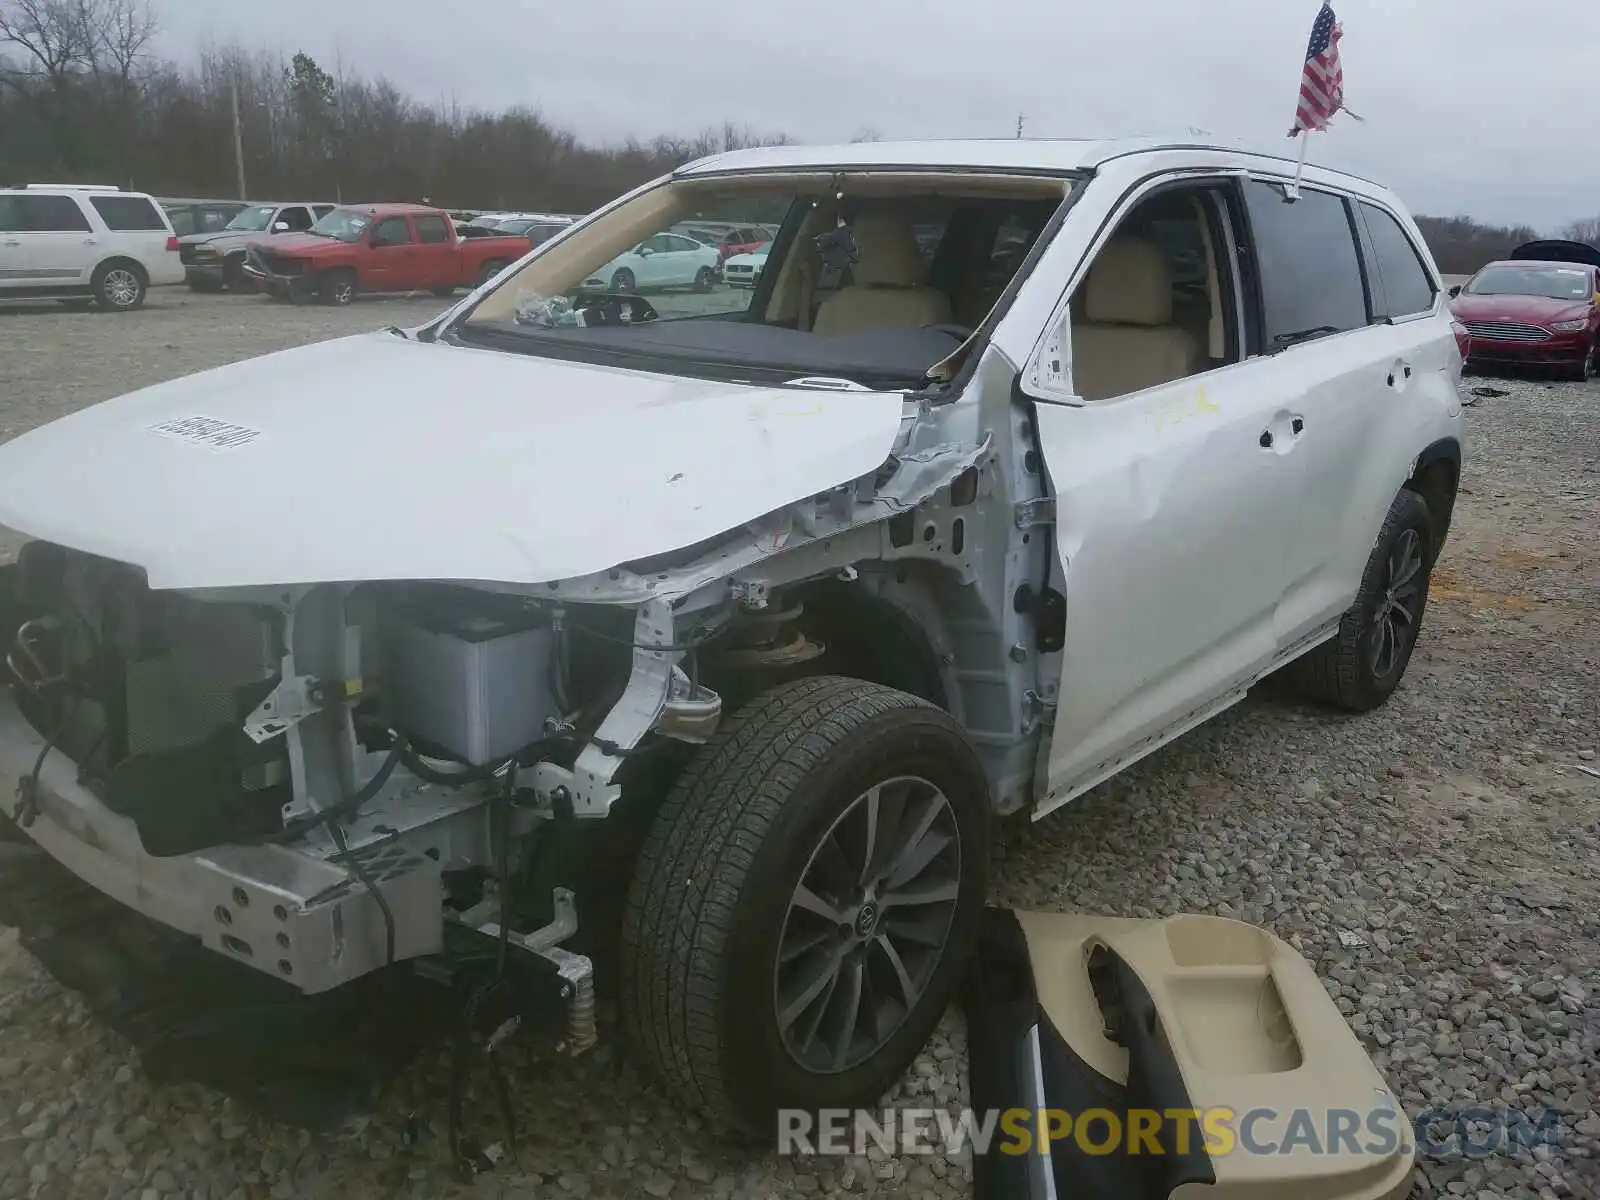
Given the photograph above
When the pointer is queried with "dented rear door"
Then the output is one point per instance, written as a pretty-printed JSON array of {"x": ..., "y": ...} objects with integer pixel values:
[{"x": 1175, "y": 512}]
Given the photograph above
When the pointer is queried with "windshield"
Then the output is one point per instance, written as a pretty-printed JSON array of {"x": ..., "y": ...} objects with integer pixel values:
[
  {"x": 346, "y": 224},
  {"x": 637, "y": 286},
  {"x": 252, "y": 220},
  {"x": 1554, "y": 283}
]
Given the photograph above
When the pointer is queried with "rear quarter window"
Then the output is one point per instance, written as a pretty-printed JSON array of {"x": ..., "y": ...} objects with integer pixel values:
[
  {"x": 1406, "y": 287},
  {"x": 128, "y": 213},
  {"x": 1307, "y": 266}
]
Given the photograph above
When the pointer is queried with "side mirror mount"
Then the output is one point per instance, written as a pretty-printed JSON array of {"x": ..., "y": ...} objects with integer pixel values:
[
  {"x": 1455, "y": 291},
  {"x": 643, "y": 251}
]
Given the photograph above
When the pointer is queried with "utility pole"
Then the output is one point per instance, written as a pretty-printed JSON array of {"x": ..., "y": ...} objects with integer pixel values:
[
  {"x": 1019, "y": 126},
  {"x": 238, "y": 138}
]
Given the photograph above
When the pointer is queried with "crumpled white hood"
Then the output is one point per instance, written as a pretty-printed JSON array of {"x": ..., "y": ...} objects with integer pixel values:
[{"x": 375, "y": 457}]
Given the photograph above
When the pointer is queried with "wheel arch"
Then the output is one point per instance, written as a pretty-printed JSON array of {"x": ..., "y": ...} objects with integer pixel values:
[
  {"x": 1436, "y": 477},
  {"x": 121, "y": 260}
]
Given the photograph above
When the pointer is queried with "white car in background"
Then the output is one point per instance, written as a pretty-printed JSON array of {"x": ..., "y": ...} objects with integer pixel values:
[
  {"x": 744, "y": 270},
  {"x": 80, "y": 243},
  {"x": 663, "y": 261}
]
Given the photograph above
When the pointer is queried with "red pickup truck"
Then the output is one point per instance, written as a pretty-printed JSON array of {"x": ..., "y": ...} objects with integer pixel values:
[{"x": 377, "y": 248}]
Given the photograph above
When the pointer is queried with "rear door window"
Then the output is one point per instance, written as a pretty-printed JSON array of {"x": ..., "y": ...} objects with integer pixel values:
[
  {"x": 1407, "y": 288},
  {"x": 127, "y": 213},
  {"x": 432, "y": 230},
  {"x": 1307, "y": 267},
  {"x": 50, "y": 214}
]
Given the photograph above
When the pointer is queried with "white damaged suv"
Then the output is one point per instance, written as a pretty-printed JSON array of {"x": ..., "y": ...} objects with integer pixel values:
[{"x": 697, "y": 637}]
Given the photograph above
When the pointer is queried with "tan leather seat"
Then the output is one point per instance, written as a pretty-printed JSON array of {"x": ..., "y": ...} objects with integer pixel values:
[
  {"x": 887, "y": 289},
  {"x": 1127, "y": 340}
]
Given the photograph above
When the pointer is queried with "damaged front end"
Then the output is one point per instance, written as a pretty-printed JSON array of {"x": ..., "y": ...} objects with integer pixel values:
[{"x": 322, "y": 780}]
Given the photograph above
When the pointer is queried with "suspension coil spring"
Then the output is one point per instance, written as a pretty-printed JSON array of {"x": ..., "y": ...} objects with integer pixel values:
[{"x": 582, "y": 1030}]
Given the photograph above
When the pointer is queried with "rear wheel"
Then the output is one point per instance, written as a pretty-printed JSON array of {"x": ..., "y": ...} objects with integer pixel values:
[
  {"x": 489, "y": 270},
  {"x": 806, "y": 901},
  {"x": 119, "y": 286},
  {"x": 704, "y": 279},
  {"x": 337, "y": 287},
  {"x": 233, "y": 273},
  {"x": 1359, "y": 668}
]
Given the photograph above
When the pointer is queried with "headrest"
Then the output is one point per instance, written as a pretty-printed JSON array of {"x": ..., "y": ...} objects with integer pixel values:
[
  {"x": 1129, "y": 285},
  {"x": 887, "y": 252}
]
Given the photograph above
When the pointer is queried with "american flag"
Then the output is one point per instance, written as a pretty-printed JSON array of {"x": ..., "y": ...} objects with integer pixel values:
[{"x": 1322, "y": 82}]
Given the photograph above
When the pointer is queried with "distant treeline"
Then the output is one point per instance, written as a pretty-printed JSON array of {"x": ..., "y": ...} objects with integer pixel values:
[{"x": 83, "y": 100}]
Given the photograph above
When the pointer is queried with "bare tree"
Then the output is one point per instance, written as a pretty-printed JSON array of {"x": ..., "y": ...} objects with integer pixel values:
[
  {"x": 1586, "y": 230},
  {"x": 118, "y": 33},
  {"x": 52, "y": 35}
]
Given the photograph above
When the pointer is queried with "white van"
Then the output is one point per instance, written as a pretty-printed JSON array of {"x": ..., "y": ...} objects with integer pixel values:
[{"x": 81, "y": 243}]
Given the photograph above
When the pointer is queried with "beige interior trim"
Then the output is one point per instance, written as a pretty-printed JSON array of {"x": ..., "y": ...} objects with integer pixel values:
[{"x": 1251, "y": 1027}]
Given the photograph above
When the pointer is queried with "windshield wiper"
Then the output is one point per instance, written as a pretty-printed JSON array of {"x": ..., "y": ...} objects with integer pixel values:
[{"x": 1282, "y": 341}]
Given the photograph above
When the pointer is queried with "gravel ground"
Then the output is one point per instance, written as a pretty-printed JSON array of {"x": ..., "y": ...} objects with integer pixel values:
[{"x": 1452, "y": 832}]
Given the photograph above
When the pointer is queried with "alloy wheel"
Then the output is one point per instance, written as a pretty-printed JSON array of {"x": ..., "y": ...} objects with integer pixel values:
[
  {"x": 867, "y": 924},
  {"x": 121, "y": 287},
  {"x": 1395, "y": 624}
]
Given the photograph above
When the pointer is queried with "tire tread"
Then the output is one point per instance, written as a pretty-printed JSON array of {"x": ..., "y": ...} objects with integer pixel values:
[{"x": 701, "y": 848}]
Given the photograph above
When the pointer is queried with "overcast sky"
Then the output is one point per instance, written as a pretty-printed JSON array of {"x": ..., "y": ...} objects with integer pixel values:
[{"x": 1469, "y": 107}]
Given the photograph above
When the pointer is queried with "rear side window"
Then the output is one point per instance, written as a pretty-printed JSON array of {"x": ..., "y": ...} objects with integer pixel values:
[
  {"x": 1407, "y": 289},
  {"x": 128, "y": 213},
  {"x": 432, "y": 230},
  {"x": 297, "y": 219},
  {"x": 1307, "y": 265},
  {"x": 47, "y": 214}
]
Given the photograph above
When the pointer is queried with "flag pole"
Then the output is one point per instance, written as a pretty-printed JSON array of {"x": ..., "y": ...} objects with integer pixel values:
[{"x": 1293, "y": 192}]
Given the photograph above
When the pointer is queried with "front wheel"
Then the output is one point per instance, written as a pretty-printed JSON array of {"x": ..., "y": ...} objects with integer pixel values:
[
  {"x": 1360, "y": 667},
  {"x": 1583, "y": 371},
  {"x": 337, "y": 288},
  {"x": 806, "y": 901}
]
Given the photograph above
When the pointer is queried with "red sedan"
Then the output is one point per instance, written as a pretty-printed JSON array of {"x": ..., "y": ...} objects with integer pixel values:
[{"x": 1533, "y": 313}]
